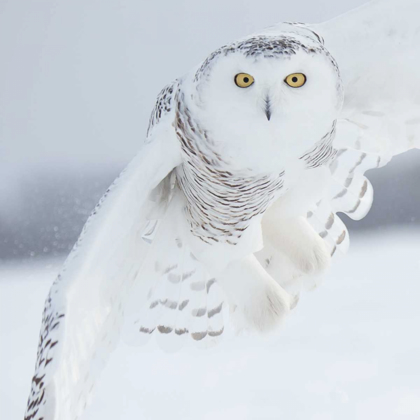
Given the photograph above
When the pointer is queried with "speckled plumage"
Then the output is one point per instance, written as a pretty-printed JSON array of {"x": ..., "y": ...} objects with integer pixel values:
[
  {"x": 263, "y": 46},
  {"x": 232, "y": 200},
  {"x": 48, "y": 339},
  {"x": 164, "y": 104},
  {"x": 220, "y": 202}
]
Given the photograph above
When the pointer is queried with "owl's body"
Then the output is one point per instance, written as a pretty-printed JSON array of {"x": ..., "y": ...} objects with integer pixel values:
[
  {"x": 232, "y": 200},
  {"x": 225, "y": 175},
  {"x": 224, "y": 184}
]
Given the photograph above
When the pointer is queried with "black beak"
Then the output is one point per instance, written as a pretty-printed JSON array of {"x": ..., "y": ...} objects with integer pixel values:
[{"x": 267, "y": 107}]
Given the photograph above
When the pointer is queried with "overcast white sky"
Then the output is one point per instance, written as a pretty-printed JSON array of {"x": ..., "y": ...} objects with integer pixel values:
[{"x": 78, "y": 78}]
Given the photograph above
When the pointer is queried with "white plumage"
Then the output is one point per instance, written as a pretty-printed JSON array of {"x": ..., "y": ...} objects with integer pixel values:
[{"x": 231, "y": 204}]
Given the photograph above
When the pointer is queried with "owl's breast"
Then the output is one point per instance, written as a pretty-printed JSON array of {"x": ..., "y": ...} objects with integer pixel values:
[
  {"x": 221, "y": 206},
  {"x": 221, "y": 200}
]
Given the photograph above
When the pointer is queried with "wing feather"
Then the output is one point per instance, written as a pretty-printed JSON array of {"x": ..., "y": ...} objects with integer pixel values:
[
  {"x": 183, "y": 302},
  {"x": 377, "y": 48},
  {"x": 84, "y": 310}
]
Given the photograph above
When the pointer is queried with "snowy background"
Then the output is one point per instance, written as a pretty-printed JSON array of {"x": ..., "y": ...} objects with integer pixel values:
[{"x": 78, "y": 80}]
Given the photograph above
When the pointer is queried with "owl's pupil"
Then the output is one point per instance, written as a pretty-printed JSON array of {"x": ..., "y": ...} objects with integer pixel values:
[
  {"x": 246, "y": 79},
  {"x": 294, "y": 79}
]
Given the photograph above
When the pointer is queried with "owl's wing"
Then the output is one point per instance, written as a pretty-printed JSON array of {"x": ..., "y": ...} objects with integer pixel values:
[
  {"x": 83, "y": 312},
  {"x": 377, "y": 48}
]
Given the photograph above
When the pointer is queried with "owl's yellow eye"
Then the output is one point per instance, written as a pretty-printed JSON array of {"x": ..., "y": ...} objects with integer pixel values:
[
  {"x": 244, "y": 80},
  {"x": 295, "y": 80}
]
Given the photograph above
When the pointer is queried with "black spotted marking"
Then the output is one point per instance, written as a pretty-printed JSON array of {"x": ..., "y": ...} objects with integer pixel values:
[
  {"x": 216, "y": 333},
  {"x": 154, "y": 304},
  {"x": 52, "y": 320},
  {"x": 333, "y": 166},
  {"x": 199, "y": 312},
  {"x": 198, "y": 336},
  {"x": 164, "y": 105},
  {"x": 364, "y": 189},
  {"x": 348, "y": 181},
  {"x": 354, "y": 209},
  {"x": 181, "y": 331},
  {"x": 319, "y": 37},
  {"x": 187, "y": 275},
  {"x": 215, "y": 311},
  {"x": 170, "y": 304},
  {"x": 358, "y": 163},
  {"x": 340, "y": 194},
  {"x": 210, "y": 284},
  {"x": 341, "y": 237},
  {"x": 350, "y": 178},
  {"x": 330, "y": 221},
  {"x": 164, "y": 330},
  {"x": 146, "y": 330},
  {"x": 170, "y": 268},
  {"x": 183, "y": 304}
]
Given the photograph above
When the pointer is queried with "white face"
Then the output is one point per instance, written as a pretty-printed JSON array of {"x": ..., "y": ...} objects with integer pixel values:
[{"x": 245, "y": 132}]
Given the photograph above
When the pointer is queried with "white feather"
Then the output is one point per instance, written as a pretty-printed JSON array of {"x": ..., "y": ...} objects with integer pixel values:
[{"x": 141, "y": 244}]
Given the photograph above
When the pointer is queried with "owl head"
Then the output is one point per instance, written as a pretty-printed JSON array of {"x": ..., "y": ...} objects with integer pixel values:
[{"x": 267, "y": 99}]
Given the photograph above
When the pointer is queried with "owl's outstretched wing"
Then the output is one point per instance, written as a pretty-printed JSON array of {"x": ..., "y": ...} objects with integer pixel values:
[
  {"x": 83, "y": 311},
  {"x": 377, "y": 48}
]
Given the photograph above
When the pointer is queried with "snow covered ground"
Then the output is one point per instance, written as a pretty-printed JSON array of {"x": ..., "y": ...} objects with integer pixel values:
[{"x": 349, "y": 351}]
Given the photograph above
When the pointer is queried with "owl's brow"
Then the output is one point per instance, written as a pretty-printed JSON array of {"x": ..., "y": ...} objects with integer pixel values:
[{"x": 259, "y": 46}]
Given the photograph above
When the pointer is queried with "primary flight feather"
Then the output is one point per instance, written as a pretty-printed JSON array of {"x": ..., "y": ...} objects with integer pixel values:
[{"x": 232, "y": 200}]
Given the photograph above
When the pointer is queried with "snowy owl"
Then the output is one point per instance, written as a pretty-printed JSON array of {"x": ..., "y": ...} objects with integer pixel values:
[{"x": 230, "y": 206}]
